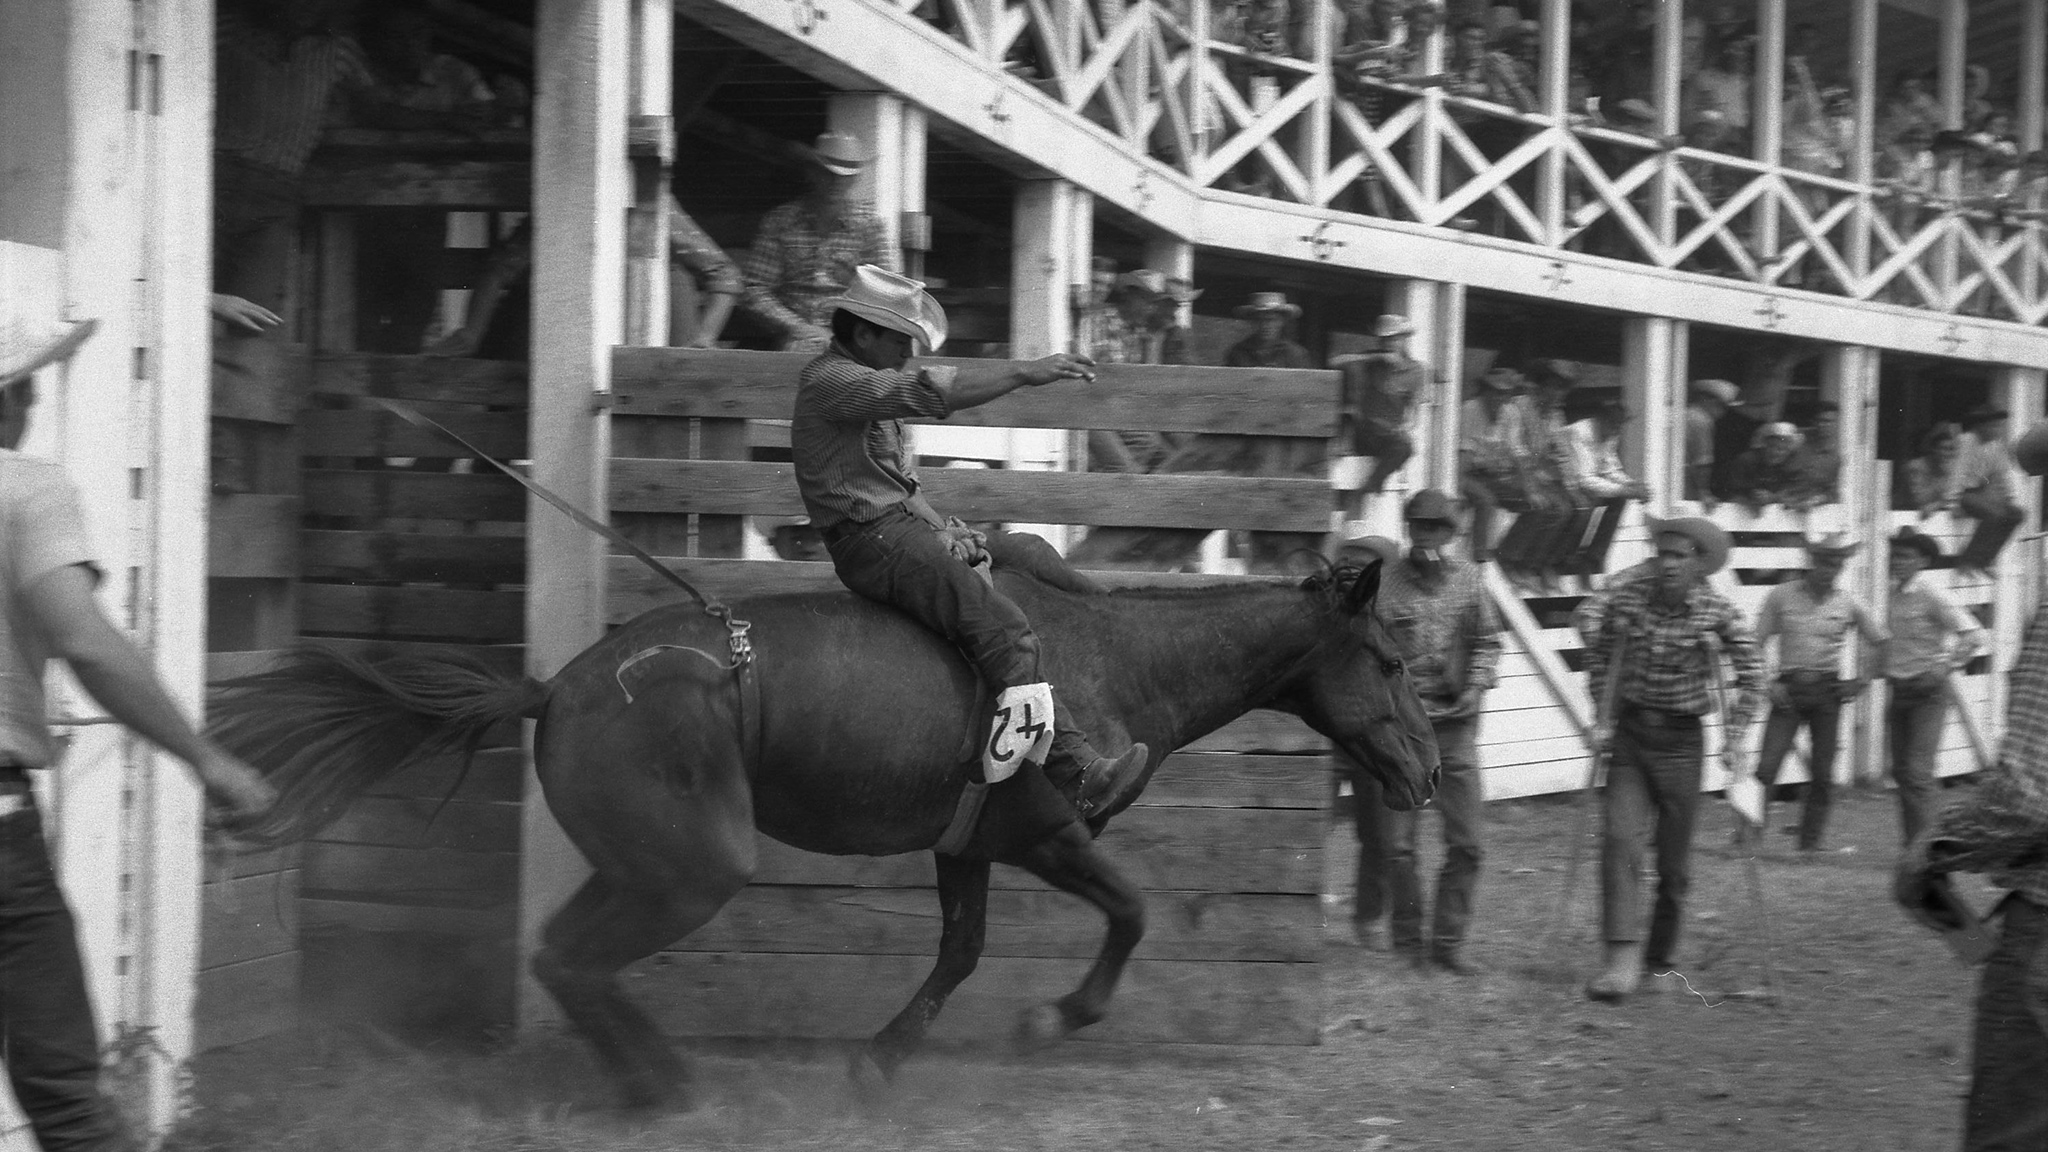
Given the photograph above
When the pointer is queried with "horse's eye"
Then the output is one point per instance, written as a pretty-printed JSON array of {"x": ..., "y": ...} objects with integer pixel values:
[{"x": 1392, "y": 667}]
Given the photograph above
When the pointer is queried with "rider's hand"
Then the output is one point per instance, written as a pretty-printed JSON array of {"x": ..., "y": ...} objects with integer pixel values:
[
  {"x": 236, "y": 312},
  {"x": 1059, "y": 366},
  {"x": 808, "y": 338}
]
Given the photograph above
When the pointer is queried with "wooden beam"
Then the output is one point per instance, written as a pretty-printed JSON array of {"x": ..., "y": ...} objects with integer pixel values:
[
  {"x": 582, "y": 192},
  {"x": 368, "y": 182},
  {"x": 758, "y": 488},
  {"x": 1399, "y": 248},
  {"x": 735, "y": 384}
]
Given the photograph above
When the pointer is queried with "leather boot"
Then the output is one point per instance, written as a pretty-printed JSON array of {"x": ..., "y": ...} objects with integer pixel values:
[
  {"x": 1624, "y": 970},
  {"x": 1092, "y": 781}
]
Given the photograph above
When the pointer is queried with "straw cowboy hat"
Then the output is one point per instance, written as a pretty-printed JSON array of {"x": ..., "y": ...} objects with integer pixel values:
[
  {"x": 1153, "y": 283},
  {"x": 1387, "y": 550},
  {"x": 1713, "y": 542},
  {"x": 1722, "y": 390},
  {"x": 1839, "y": 545},
  {"x": 1392, "y": 324},
  {"x": 26, "y": 345},
  {"x": 1267, "y": 303},
  {"x": 840, "y": 154},
  {"x": 897, "y": 303}
]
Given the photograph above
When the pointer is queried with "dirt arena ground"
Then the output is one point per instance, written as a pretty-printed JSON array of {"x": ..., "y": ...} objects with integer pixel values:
[{"x": 1865, "y": 1049}]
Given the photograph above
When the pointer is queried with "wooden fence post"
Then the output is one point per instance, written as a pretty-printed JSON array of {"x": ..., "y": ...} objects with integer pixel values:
[{"x": 581, "y": 192}]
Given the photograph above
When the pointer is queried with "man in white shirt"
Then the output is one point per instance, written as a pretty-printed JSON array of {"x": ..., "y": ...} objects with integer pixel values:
[
  {"x": 1601, "y": 489},
  {"x": 1985, "y": 489},
  {"x": 1931, "y": 639}
]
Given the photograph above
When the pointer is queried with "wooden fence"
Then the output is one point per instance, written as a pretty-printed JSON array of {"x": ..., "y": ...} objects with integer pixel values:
[
  {"x": 409, "y": 902},
  {"x": 1226, "y": 842}
]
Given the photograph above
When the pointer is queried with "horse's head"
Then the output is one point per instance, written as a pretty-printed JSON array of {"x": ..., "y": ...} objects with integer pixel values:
[{"x": 1356, "y": 691}]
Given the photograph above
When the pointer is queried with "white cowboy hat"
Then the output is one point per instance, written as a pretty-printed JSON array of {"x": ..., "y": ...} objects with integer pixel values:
[
  {"x": 1721, "y": 390},
  {"x": 1262, "y": 303},
  {"x": 28, "y": 345},
  {"x": 840, "y": 154},
  {"x": 897, "y": 303}
]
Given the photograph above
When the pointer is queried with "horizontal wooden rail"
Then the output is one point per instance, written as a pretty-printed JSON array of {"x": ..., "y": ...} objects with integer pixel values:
[
  {"x": 375, "y": 432},
  {"x": 419, "y": 557},
  {"x": 631, "y": 589},
  {"x": 500, "y": 383},
  {"x": 392, "y": 493},
  {"x": 744, "y": 487},
  {"x": 724, "y": 383},
  {"x": 364, "y": 182}
]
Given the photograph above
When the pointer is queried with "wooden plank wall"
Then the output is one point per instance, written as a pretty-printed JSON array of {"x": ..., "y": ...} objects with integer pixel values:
[
  {"x": 1226, "y": 842},
  {"x": 409, "y": 902}
]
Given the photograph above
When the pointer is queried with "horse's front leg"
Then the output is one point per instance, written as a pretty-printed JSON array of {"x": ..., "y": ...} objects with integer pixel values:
[
  {"x": 1070, "y": 861},
  {"x": 963, "y": 902}
]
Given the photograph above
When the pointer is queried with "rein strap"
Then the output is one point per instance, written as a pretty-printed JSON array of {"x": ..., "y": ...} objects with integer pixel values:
[{"x": 612, "y": 535}]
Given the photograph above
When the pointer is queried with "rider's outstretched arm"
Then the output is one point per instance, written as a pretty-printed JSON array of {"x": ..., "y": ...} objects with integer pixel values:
[{"x": 973, "y": 387}]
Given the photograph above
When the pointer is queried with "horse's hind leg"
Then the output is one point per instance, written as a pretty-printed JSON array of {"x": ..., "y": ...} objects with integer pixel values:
[
  {"x": 1070, "y": 861},
  {"x": 963, "y": 902},
  {"x": 600, "y": 930}
]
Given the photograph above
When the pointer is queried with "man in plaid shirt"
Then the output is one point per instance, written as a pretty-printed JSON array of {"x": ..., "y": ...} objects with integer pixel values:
[
  {"x": 2002, "y": 831},
  {"x": 806, "y": 250},
  {"x": 1661, "y": 636}
]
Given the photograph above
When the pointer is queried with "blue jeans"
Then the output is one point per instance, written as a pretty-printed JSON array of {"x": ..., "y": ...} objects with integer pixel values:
[
  {"x": 2008, "y": 1102},
  {"x": 1387, "y": 880},
  {"x": 902, "y": 561},
  {"x": 1818, "y": 706},
  {"x": 1653, "y": 788},
  {"x": 47, "y": 1038},
  {"x": 1913, "y": 720}
]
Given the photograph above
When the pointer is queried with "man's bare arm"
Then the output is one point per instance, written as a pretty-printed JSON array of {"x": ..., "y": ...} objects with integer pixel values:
[{"x": 121, "y": 679}]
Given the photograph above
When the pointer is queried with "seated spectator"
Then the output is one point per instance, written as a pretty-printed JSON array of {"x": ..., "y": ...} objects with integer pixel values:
[
  {"x": 1824, "y": 454},
  {"x": 1379, "y": 390},
  {"x": 1707, "y": 403},
  {"x": 1491, "y": 462},
  {"x": 1772, "y": 471},
  {"x": 1529, "y": 553},
  {"x": 1985, "y": 490},
  {"x": 418, "y": 86},
  {"x": 806, "y": 250},
  {"x": 1268, "y": 345},
  {"x": 1910, "y": 106},
  {"x": 1479, "y": 71},
  {"x": 1601, "y": 489},
  {"x": 1933, "y": 477}
]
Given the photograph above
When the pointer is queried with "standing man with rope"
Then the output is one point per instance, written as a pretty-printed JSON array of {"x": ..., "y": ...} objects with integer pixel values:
[
  {"x": 48, "y": 610},
  {"x": 2002, "y": 830},
  {"x": 1667, "y": 678},
  {"x": 857, "y": 472}
]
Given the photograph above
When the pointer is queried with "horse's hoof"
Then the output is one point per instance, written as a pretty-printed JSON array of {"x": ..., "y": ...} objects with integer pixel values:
[{"x": 1040, "y": 1027}]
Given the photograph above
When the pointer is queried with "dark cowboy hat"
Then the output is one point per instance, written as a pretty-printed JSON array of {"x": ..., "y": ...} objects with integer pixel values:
[
  {"x": 1430, "y": 504},
  {"x": 1713, "y": 542},
  {"x": 840, "y": 154},
  {"x": 1982, "y": 413},
  {"x": 1267, "y": 303},
  {"x": 1920, "y": 542},
  {"x": 2030, "y": 451}
]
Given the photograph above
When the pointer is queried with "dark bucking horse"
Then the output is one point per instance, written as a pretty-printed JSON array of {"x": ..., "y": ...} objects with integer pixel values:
[{"x": 867, "y": 734}]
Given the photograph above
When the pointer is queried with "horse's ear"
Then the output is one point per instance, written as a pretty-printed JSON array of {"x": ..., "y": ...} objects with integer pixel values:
[{"x": 1363, "y": 589}]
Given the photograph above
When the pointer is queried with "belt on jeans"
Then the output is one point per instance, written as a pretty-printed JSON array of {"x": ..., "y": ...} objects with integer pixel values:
[
  {"x": 834, "y": 533},
  {"x": 1658, "y": 717},
  {"x": 1804, "y": 676}
]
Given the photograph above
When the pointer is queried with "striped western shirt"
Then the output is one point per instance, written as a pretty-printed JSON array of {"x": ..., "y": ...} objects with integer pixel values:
[
  {"x": 854, "y": 456},
  {"x": 1669, "y": 661},
  {"x": 2002, "y": 829},
  {"x": 274, "y": 93},
  {"x": 798, "y": 262}
]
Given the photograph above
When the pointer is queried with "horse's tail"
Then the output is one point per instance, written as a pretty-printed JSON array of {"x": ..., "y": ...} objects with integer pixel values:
[{"x": 323, "y": 726}]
